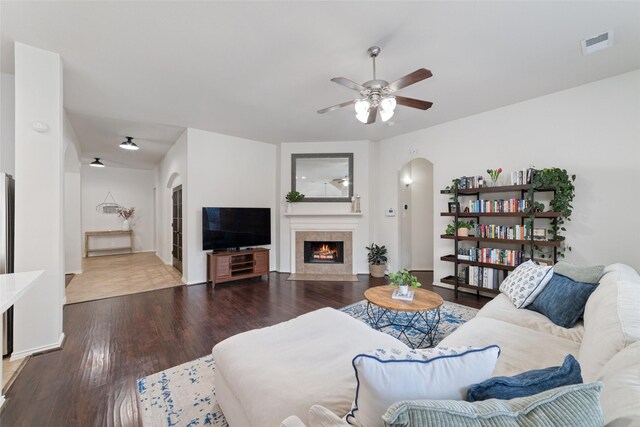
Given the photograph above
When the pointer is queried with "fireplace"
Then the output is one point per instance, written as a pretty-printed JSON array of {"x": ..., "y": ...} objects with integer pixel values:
[{"x": 323, "y": 252}]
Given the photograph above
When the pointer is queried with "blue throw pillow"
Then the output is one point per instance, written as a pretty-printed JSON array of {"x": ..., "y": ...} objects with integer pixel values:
[
  {"x": 563, "y": 300},
  {"x": 527, "y": 383}
]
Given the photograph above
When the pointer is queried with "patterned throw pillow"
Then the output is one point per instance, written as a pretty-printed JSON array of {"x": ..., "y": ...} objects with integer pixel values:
[
  {"x": 524, "y": 283},
  {"x": 385, "y": 376}
]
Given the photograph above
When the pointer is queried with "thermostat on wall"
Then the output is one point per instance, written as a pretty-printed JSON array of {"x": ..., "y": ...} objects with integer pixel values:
[{"x": 390, "y": 212}]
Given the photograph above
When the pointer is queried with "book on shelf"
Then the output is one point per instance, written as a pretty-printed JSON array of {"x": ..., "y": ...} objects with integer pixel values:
[
  {"x": 482, "y": 277},
  {"x": 498, "y": 206},
  {"x": 492, "y": 231},
  {"x": 496, "y": 256},
  {"x": 522, "y": 177}
]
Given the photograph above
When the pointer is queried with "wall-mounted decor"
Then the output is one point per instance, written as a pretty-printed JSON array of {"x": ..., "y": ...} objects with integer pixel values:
[
  {"x": 323, "y": 177},
  {"x": 109, "y": 206}
]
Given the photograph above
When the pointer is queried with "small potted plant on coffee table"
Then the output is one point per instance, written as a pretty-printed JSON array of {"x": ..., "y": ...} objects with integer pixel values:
[
  {"x": 403, "y": 279},
  {"x": 377, "y": 258}
]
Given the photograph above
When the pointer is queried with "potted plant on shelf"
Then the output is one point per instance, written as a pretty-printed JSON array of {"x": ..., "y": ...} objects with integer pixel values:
[
  {"x": 463, "y": 228},
  {"x": 377, "y": 260},
  {"x": 292, "y": 197},
  {"x": 403, "y": 279}
]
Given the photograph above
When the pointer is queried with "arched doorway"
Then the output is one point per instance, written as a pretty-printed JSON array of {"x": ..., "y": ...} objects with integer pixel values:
[{"x": 416, "y": 215}]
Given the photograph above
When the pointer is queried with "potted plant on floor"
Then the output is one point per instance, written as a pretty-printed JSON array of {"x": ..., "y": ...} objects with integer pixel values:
[
  {"x": 403, "y": 279},
  {"x": 377, "y": 260},
  {"x": 463, "y": 228}
]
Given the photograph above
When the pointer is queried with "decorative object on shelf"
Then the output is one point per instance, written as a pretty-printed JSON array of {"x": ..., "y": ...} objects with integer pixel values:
[
  {"x": 463, "y": 228},
  {"x": 293, "y": 197},
  {"x": 561, "y": 183},
  {"x": 540, "y": 233},
  {"x": 377, "y": 258},
  {"x": 129, "y": 144},
  {"x": 494, "y": 174},
  {"x": 108, "y": 207},
  {"x": 454, "y": 207},
  {"x": 357, "y": 204},
  {"x": 377, "y": 94},
  {"x": 97, "y": 163},
  {"x": 125, "y": 214},
  {"x": 403, "y": 280}
]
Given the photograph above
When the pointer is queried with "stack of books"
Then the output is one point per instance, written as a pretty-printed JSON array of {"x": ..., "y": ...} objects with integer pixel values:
[
  {"x": 522, "y": 177},
  {"x": 496, "y": 256},
  {"x": 492, "y": 231},
  {"x": 481, "y": 276},
  {"x": 501, "y": 206}
]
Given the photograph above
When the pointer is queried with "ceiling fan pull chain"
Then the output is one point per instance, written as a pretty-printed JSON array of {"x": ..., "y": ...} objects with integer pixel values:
[{"x": 374, "y": 68}]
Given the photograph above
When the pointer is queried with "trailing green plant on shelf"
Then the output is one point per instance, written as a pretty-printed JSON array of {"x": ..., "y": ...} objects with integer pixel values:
[
  {"x": 453, "y": 189},
  {"x": 294, "y": 196},
  {"x": 451, "y": 228},
  {"x": 561, "y": 183}
]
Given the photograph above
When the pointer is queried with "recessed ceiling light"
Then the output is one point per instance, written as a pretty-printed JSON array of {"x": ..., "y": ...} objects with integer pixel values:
[
  {"x": 97, "y": 163},
  {"x": 129, "y": 144},
  {"x": 596, "y": 43}
]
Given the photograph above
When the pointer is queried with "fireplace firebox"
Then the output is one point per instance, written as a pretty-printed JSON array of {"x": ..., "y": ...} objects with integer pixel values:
[{"x": 323, "y": 252}]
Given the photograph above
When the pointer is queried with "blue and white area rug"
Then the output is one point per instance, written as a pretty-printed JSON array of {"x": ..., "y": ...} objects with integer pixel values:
[{"x": 185, "y": 395}]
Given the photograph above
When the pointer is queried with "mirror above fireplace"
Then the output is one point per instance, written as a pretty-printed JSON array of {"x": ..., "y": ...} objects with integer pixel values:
[{"x": 323, "y": 177}]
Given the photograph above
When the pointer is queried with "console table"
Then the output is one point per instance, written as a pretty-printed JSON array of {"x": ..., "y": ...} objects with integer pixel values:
[
  {"x": 236, "y": 265},
  {"x": 88, "y": 234}
]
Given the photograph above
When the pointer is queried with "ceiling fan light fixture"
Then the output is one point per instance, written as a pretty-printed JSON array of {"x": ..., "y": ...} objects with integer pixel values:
[
  {"x": 386, "y": 115},
  {"x": 97, "y": 163},
  {"x": 129, "y": 144},
  {"x": 388, "y": 104},
  {"x": 362, "y": 110}
]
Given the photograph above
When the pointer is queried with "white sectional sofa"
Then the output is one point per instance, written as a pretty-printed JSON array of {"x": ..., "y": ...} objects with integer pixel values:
[{"x": 265, "y": 375}]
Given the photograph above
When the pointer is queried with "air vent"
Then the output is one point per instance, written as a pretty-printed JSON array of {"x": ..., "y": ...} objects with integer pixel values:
[{"x": 596, "y": 43}]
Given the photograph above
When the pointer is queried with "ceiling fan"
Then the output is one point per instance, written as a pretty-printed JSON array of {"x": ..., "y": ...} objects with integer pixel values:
[{"x": 376, "y": 95}]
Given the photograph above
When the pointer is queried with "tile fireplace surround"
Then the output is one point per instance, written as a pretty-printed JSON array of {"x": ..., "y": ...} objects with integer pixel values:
[{"x": 316, "y": 235}]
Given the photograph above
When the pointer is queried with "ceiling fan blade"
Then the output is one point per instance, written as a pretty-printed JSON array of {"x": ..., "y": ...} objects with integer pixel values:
[
  {"x": 413, "y": 103},
  {"x": 348, "y": 83},
  {"x": 335, "y": 107},
  {"x": 409, "y": 79},
  {"x": 373, "y": 112}
]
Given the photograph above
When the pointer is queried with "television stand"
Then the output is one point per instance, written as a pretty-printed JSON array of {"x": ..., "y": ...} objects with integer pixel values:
[{"x": 236, "y": 265}]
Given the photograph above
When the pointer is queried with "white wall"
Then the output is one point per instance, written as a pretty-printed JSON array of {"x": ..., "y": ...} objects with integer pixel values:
[
  {"x": 362, "y": 184},
  {"x": 422, "y": 237},
  {"x": 405, "y": 217},
  {"x": 130, "y": 188},
  {"x": 72, "y": 201},
  {"x": 225, "y": 171},
  {"x": 171, "y": 172},
  {"x": 39, "y": 172},
  {"x": 591, "y": 130},
  {"x": 7, "y": 124}
]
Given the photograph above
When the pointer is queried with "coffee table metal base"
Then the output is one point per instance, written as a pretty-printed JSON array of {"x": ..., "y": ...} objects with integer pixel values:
[{"x": 381, "y": 318}]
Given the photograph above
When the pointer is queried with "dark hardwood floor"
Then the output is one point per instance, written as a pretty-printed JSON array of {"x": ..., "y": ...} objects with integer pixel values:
[{"x": 112, "y": 342}]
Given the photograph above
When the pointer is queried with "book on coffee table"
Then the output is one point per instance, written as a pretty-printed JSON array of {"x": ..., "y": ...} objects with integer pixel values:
[{"x": 398, "y": 295}]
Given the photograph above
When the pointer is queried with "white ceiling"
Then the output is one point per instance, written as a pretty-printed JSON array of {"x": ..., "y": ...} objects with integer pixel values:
[{"x": 260, "y": 70}]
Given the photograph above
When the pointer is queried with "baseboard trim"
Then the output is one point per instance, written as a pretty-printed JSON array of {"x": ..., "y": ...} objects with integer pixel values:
[{"x": 44, "y": 349}]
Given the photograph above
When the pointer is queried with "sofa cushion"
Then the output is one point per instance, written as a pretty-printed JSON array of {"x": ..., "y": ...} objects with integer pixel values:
[
  {"x": 579, "y": 274},
  {"x": 524, "y": 283},
  {"x": 527, "y": 383},
  {"x": 385, "y": 376},
  {"x": 563, "y": 300},
  {"x": 272, "y": 373},
  {"x": 522, "y": 349},
  {"x": 620, "y": 398},
  {"x": 500, "y": 308},
  {"x": 611, "y": 319},
  {"x": 574, "y": 405}
]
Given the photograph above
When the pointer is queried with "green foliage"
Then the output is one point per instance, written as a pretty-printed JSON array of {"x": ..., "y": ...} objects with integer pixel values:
[
  {"x": 561, "y": 183},
  {"x": 453, "y": 189},
  {"x": 404, "y": 278},
  {"x": 377, "y": 254},
  {"x": 451, "y": 228},
  {"x": 294, "y": 196}
]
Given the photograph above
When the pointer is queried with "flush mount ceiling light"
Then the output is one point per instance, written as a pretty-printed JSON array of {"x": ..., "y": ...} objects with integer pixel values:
[
  {"x": 97, "y": 163},
  {"x": 129, "y": 144},
  {"x": 377, "y": 94}
]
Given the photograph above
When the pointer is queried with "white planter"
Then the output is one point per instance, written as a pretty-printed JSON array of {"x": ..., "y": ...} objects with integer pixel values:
[
  {"x": 125, "y": 225},
  {"x": 404, "y": 289}
]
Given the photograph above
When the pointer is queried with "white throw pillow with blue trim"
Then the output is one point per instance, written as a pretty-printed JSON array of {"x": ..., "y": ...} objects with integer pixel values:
[
  {"x": 386, "y": 376},
  {"x": 525, "y": 283}
]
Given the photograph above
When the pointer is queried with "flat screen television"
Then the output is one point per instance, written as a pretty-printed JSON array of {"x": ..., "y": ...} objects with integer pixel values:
[{"x": 227, "y": 228}]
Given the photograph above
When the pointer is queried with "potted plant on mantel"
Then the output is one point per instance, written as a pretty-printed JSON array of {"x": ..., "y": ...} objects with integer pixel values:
[
  {"x": 292, "y": 197},
  {"x": 403, "y": 279},
  {"x": 377, "y": 260},
  {"x": 463, "y": 228}
]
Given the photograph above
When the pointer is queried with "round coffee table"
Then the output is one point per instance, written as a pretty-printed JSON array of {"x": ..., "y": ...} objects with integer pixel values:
[{"x": 385, "y": 311}]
